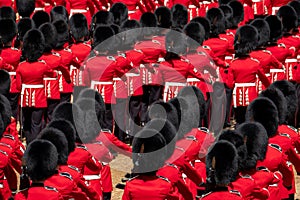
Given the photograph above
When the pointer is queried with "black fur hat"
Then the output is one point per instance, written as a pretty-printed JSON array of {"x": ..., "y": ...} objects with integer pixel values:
[
  {"x": 217, "y": 21},
  {"x": 256, "y": 139},
  {"x": 24, "y": 25},
  {"x": 4, "y": 82},
  {"x": 237, "y": 140},
  {"x": 263, "y": 30},
  {"x": 175, "y": 43},
  {"x": 103, "y": 38},
  {"x": 277, "y": 97},
  {"x": 164, "y": 17},
  {"x": 264, "y": 111},
  {"x": 245, "y": 40},
  {"x": 5, "y": 114},
  {"x": 167, "y": 130},
  {"x": 40, "y": 17},
  {"x": 103, "y": 17},
  {"x": 148, "y": 21},
  {"x": 289, "y": 92},
  {"x": 41, "y": 159},
  {"x": 59, "y": 140},
  {"x": 195, "y": 33},
  {"x": 59, "y": 13},
  {"x": 222, "y": 163},
  {"x": 34, "y": 45},
  {"x": 78, "y": 26},
  {"x": 62, "y": 31},
  {"x": 68, "y": 129},
  {"x": 179, "y": 15},
  {"x": 7, "y": 12},
  {"x": 223, "y": 2},
  {"x": 205, "y": 23},
  {"x": 238, "y": 12},
  {"x": 50, "y": 35},
  {"x": 296, "y": 5},
  {"x": 148, "y": 151},
  {"x": 25, "y": 7},
  {"x": 275, "y": 26},
  {"x": 164, "y": 110},
  {"x": 93, "y": 94},
  {"x": 288, "y": 17},
  {"x": 130, "y": 33},
  {"x": 228, "y": 14},
  {"x": 72, "y": 113},
  {"x": 120, "y": 13},
  {"x": 8, "y": 30}
]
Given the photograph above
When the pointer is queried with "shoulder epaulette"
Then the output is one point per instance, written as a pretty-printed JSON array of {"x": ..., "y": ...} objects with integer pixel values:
[
  {"x": 285, "y": 135},
  {"x": 98, "y": 142},
  {"x": 56, "y": 54},
  {"x": 138, "y": 50},
  {"x": 9, "y": 136},
  {"x": 68, "y": 50},
  {"x": 262, "y": 168},
  {"x": 86, "y": 44},
  {"x": 164, "y": 178},
  {"x": 223, "y": 39},
  {"x": 122, "y": 55},
  {"x": 281, "y": 45},
  {"x": 276, "y": 146},
  {"x": 111, "y": 58},
  {"x": 155, "y": 41},
  {"x": 246, "y": 176},
  {"x": 66, "y": 174},
  {"x": 191, "y": 137},
  {"x": 81, "y": 146},
  {"x": 15, "y": 49},
  {"x": 172, "y": 165},
  {"x": 42, "y": 61},
  {"x": 133, "y": 178},
  {"x": 201, "y": 53},
  {"x": 205, "y": 195},
  {"x": 204, "y": 129},
  {"x": 254, "y": 59},
  {"x": 51, "y": 188},
  {"x": 293, "y": 128},
  {"x": 22, "y": 62},
  {"x": 267, "y": 51},
  {"x": 106, "y": 131},
  {"x": 74, "y": 168},
  {"x": 230, "y": 33},
  {"x": 296, "y": 36},
  {"x": 179, "y": 148},
  {"x": 3, "y": 152},
  {"x": 235, "y": 192}
]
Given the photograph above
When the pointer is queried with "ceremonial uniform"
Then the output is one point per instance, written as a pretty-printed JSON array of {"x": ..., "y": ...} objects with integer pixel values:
[
  {"x": 222, "y": 194},
  {"x": 291, "y": 42},
  {"x": 219, "y": 46},
  {"x": 280, "y": 51}
]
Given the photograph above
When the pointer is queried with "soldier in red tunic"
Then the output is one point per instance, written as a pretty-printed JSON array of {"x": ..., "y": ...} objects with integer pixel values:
[
  {"x": 120, "y": 12},
  {"x": 24, "y": 25},
  {"x": 41, "y": 162},
  {"x": 29, "y": 81},
  {"x": 11, "y": 56},
  {"x": 179, "y": 16},
  {"x": 25, "y": 8}
]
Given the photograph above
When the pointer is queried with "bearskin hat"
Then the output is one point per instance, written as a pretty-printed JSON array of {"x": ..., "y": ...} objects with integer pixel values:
[
  {"x": 103, "y": 17},
  {"x": 256, "y": 138},
  {"x": 148, "y": 21},
  {"x": 296, "y": 5},
  {"x": 8, "y": 30},
  {"x": 175, "y": 43},
  {"x": 62, "y": 33},
  {"x": 4, "y": 82},
  {"x": 25, "y": 7},
  {"x": 164, "y": 17},
  {"x": 78, "y": 26},
  {"x": 223, "y": 2},
  {"x": 120, "y": 13},
  {"x": 92, "y": 94},
  {"x": 59, "y": 140},
  {"x": 34, "y": 45},
  {"x": 167, "y": 130},
  {"x": 130, "y": 33},
  {"x": 179, "y": 15},
  {"x": 228, "y": 14},
  {"x": 237, "y": 140},
  {"x": 289, "y": 92},
  {"x": 277, "y": 97},
  {"x": 50, "y": 35},
  {"x": 288, "y": 17},
  {"x": 264, "y": 111},
  {"x": 238, "y": 12},
  {"x": 72, "y": 113},
  {"x": 222, "y": 163},
  {"x": 263, "y": 30},
  {"x": 41, "y": 159},
  {"x": 275, "y": 26},
  {"x": 217, "y": 20},
  {"x": 148, "y": 151},
  {"x": 59, "y": 13},
  {"x": 245, "y": 40},
  {"x": 7, "y": 12},
  {"x": 103, "y": 38},
  {"x": 68, "y": 129},
  {"x": 5, "y": 114},
  {"x": 164, "y": 110},
  {"x": 24, "y": 25},
  {"x": 205, "y": 23},
  {"x": 40, "y": 17},
  {"x": 195, "y": 33}
]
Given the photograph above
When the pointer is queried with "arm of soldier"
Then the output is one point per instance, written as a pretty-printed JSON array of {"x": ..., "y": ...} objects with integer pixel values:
[
  {"x": 184, "y": 190},
  {"x": 196, "y": 74},
  {"x": 93, "y": 164},
  {"x": 294, "y": 158},
  {"x": 126, "y": 193},
  {"x": 118, "y": 145},
  {"x": 91, "y": 6},
  {"x": 287, "y": 174},
  {"x": 65, "y": 73},
  {"x": 261, "y": 75},
  {"x": 13, "y": 178},
  {"x": 98, "y": 4},
  {"x": 88, "y": 190},
  {"x": 142, "y": 7},
  {"x": 18, "y": 80}
]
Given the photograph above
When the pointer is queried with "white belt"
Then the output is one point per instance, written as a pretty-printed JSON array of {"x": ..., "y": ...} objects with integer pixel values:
[
  {"x": 78, "y": 11},
  {"x": 39, "y": 9},
  {"x": 26, "y": 86},
  {"x": 274, "y": 9},
  {"x": 117, "y": 79},
  {"x": 169, "y": 84},
  {"x": 93, "y": 83},
  {"x": 244, "y": 84},
  {"x": 91, "y": 177},
  {"x": 131, "y": 11},
  {"x": 290, "y": 60},
  {"x": 192, "y": 6},
  {"x": 256, "y": 1},
  {"x": 47, "y": 4},
  {"x": 50, "y": 79},
  {"x": 132, "y": 74},
  {"x": 276, "y": 70},
  {"x": 12, "y": 73},
  {"x": 274, "y": 185},
  {"x": 193, "y": 80}
]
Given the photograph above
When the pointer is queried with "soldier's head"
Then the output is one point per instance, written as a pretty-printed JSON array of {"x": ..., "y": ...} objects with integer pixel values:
[
  {"x": 296, "y": 5},
  {"x": 25, "y": 7},
  {"x": 175, "y": 43},
  {"x": 238, "y": 12},
  {"x": 120, "y": 12},
  {"x": 275, "y": 26},
  {"x": 7, "y": 12},
  {"x": 5, "y": 114},
  {"x": 62, "y": 31},
  {"x": 130, "y": 33},
  {"x": 59, "y": 13},
  {"x": 263, "y": 30},
  {"x": 50, "y": 35},
  {"x": 228, "y": 14},
  {"x": 40, "y": 17},
  {"x": 103, "y": 39},
  {"x": 148, "y": 23},
  {"x": 164, "y": 17},
  {"x": 205, "y": 23},
  {"x": 179, "y": 15},
  {"x": 288, "y": 17},
  {"x": 217, "y": 21},
  {"x": 195, "y": 33},
  {"x": 33, "y": 45},
  {"x": 24, "y": 25},
  {"x": 245, "y": 40},
  {"x": 103, "y": 17},
  {"x": 78, "y": 27},
  {"x": 8, "y": 31},
  {"x": 41, "y": 160}
]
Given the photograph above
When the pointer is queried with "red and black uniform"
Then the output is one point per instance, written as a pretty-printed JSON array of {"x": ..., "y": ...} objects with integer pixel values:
[
  {"x": 148, "y": 187},
  {"x": 222, "y": 193},
  {"x": 243, "y": 80},
  {"x": 5, "y": 153},
  {"x": 29, "y": 81},
  {"x": 11, "y": 56},
  {"x": 38, "y": 191},
  {"x": 280, "y": 51}
]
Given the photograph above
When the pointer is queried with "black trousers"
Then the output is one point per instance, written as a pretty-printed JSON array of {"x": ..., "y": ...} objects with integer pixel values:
[
  {"x": 120, "y": 118},
  {"x": 151, "y": 93},
  {"x": 13, "y": 100},
  {"x": 65, "y": 97},
  {"x": 228, "y": 103},
  {"x": 52, "y": 104},
  {"x": 134, "y": 113},
  {"x": 108, "y": 118},
  {"x": 239, "y": 113},
  {"x": 32, "y": 122}
]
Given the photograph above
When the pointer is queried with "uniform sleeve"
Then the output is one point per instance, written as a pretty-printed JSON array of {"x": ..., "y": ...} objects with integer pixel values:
[
  {"x": 126, "y": 193},
  {"x": 261, "y": 75},
  {"x": 118, "y": 145},
  {"x": 88, "y": 190},
  {"x": 230, "y": 79},
  {"x": 90, "y": 5},
  {"x": 294, "y": 158},
  {"x": 18, "y": 80},
  {"x": 184, "y": 190},
  {"x": 65, "y": 73},
  {"x": 275, "y": 63},
  {"x": 196, "y": 74},
  {"x": 142, "y": 8},
  {"x": 93, "y": 164},
  {"x": 98, "y": 5}
]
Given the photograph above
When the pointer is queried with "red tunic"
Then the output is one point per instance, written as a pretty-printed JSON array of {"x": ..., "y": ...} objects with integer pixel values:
[
  {"x": 291, "y": 42},
  {"x": 280, "y": 51},
  {"x": 222, "y": 194},
  {"x": 219, "y": 46},
  {"x": 38, "y": 192}
]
